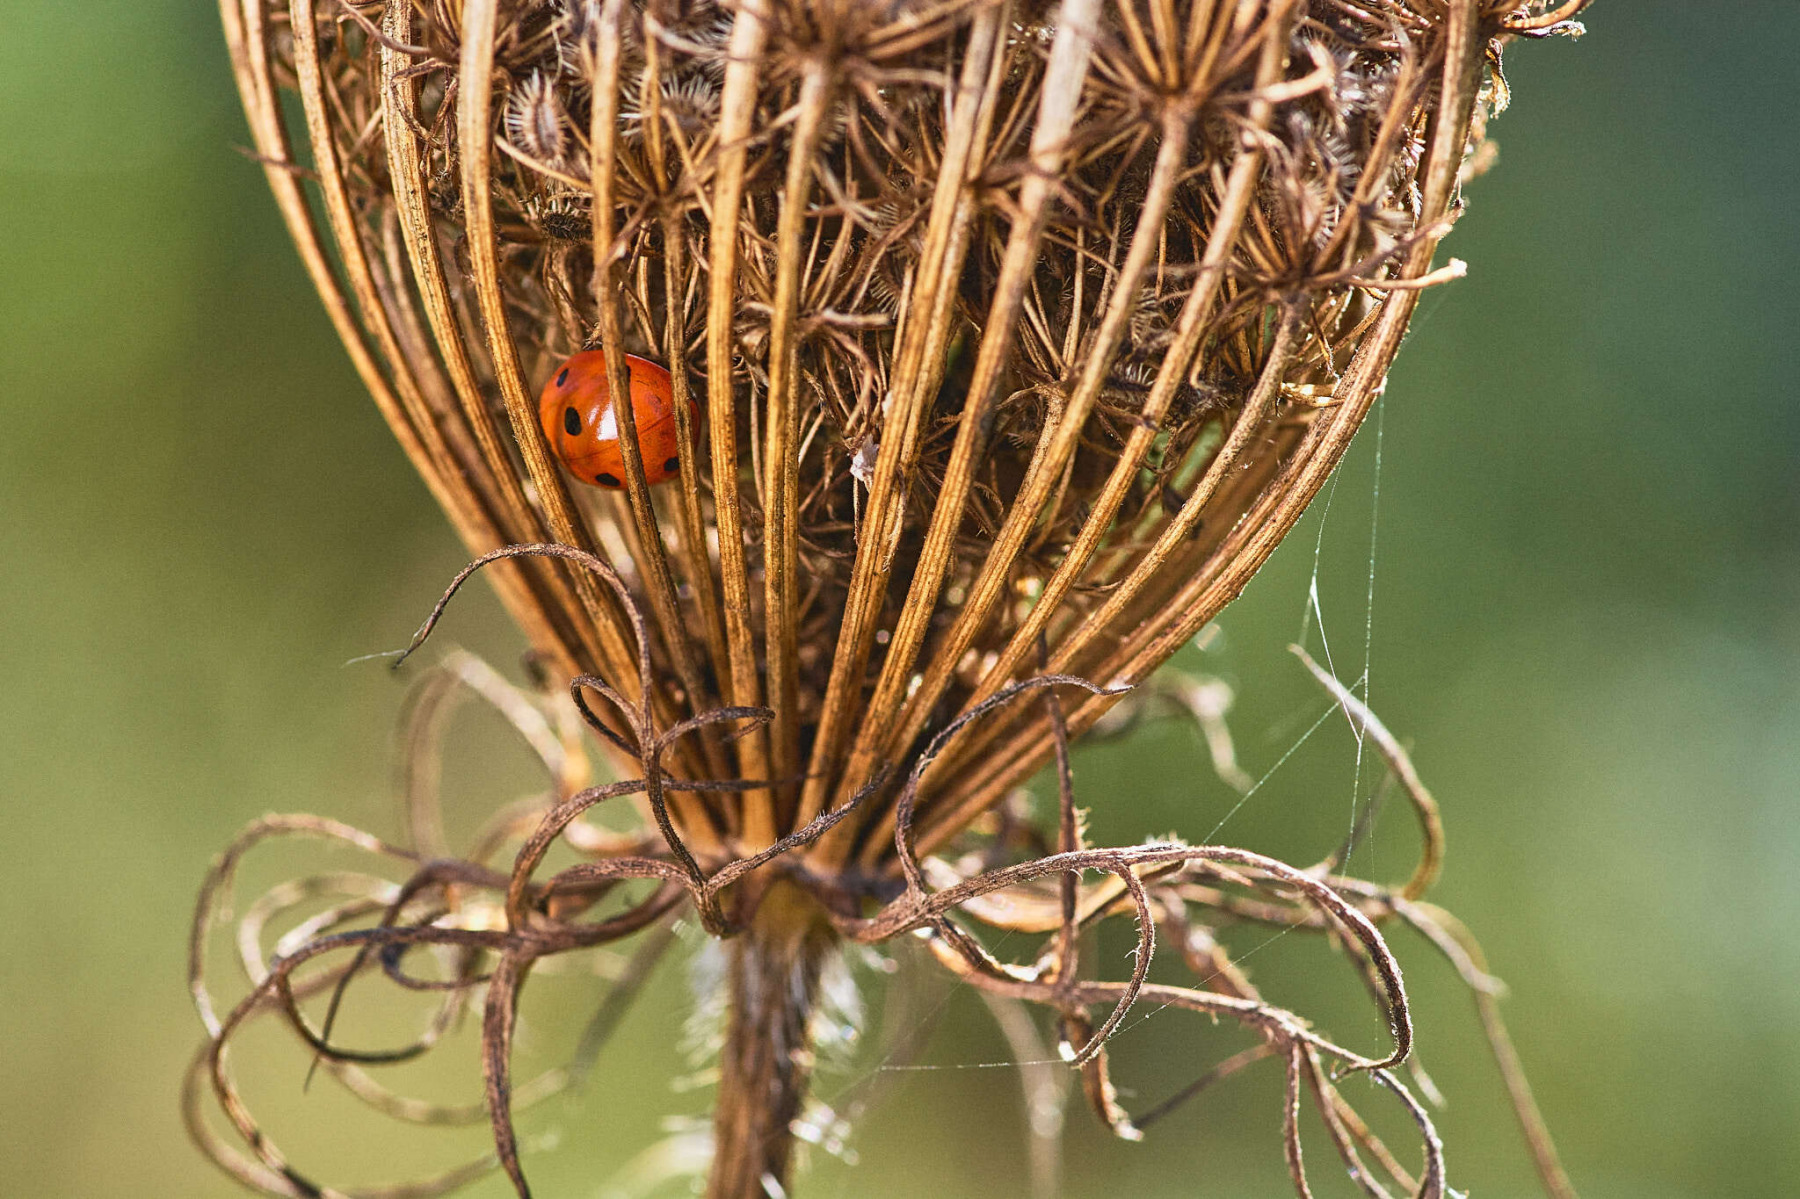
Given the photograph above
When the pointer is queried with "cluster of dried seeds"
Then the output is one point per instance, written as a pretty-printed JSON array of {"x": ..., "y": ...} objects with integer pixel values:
[{"x": 1019, "y": 333}]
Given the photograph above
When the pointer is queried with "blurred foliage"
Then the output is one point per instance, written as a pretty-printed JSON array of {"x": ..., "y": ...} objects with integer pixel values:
[{"x": 1586, "y": 621}]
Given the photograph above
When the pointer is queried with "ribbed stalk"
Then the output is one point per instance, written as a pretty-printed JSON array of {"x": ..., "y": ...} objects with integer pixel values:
[{"x": 764, "y": 1069}]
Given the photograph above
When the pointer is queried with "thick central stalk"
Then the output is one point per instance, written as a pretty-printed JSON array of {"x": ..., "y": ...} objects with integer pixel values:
[{"x": 767, "y": 1061}]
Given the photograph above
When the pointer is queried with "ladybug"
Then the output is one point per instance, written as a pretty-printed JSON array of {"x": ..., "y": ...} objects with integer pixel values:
[{"x": 576, "y": 413}]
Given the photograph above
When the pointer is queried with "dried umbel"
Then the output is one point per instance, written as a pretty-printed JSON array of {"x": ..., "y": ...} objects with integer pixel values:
[{"x": 1019, "y": 333}]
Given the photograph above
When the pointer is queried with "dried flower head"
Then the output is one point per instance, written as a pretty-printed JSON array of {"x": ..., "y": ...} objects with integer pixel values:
[{"x": 1020, "y": 334}]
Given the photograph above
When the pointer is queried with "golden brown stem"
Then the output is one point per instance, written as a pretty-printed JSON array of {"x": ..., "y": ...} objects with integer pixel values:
[{"x": 767, "y": 1061}]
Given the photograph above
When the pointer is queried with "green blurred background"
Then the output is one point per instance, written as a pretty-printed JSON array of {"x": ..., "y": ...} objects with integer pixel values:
[{"x": 1586, "y": 619}]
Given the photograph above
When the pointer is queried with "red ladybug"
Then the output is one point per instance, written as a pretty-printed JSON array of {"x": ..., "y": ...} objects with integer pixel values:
[{"x": 576, "y": 412}]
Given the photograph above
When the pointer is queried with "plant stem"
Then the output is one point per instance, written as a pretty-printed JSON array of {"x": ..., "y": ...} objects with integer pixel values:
[{"x": 768, "y": 1056}]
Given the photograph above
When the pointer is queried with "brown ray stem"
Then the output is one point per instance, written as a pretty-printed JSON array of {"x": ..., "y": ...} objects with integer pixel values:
[{"x": 737, "y": 105}]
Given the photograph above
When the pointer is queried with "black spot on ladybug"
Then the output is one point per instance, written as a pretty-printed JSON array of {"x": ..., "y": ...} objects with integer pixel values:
[
  {"x": 670, "y": 466},
  {"x": 571, "y": 421},
  {"x": 606, "y": 480},
  {"x": 563, "y": 377}
]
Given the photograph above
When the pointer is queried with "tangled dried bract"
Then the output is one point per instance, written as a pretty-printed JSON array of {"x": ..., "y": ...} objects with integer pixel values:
[
  {"x": 1020, "y": 334},
  {"x": 494, "y": 925}
]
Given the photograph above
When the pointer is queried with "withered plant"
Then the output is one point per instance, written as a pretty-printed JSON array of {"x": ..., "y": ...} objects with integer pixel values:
[{"x": 1020, "y": 334}]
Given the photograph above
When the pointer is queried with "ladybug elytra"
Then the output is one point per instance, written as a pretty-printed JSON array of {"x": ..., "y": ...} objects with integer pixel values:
[{"x": 576, "y": 413}]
